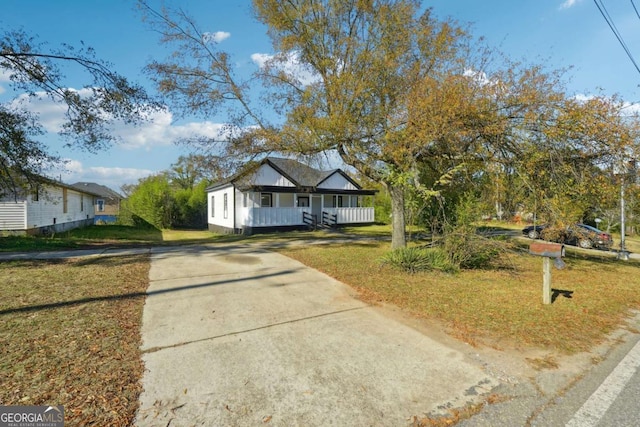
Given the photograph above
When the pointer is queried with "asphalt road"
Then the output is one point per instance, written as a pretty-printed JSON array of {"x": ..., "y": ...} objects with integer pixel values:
[{"x": 607, "y": 394}]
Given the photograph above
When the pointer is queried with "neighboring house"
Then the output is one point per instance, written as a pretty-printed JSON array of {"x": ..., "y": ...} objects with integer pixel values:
[
  {"x": 107, "y": 204},
  {"x": 279, "y": 194},
  {"x": 51, "y": 207}
]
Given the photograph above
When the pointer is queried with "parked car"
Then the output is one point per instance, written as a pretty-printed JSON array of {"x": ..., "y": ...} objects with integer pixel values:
[
  {"x": 533, "y": 231},
  {"x": 582, "y": 235},
  {"x": 586, "y": 236}
]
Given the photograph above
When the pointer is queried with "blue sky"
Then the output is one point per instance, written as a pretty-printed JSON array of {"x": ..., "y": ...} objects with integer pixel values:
[{"x": 560, "y": 33}]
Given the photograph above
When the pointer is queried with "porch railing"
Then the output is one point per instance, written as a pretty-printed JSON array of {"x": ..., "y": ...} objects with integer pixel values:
[
  {"x": 352, "y": 215},
  {"x": 268, "y": 217},
  {"x": 329, "y": 219},
  {"x": 310, "y": 219}
]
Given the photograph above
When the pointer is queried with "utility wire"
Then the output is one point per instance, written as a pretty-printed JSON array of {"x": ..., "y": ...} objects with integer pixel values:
[
  {"x": 607, "y": 17},
  {"x": 635, "y": 8}
]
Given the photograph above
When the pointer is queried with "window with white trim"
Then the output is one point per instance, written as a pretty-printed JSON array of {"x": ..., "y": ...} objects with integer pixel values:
[{"x": 266, "y": 200}]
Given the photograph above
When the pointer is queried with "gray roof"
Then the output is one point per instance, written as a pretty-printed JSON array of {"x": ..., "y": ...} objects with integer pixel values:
[
  {"x": 298, "y": 173},
  {"x": 97, "y": 189}
]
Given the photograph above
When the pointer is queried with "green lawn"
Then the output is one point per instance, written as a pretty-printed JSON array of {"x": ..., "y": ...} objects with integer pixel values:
[
  {"x": 120, "y": 235},
  {"x": 495, "y": 306}
]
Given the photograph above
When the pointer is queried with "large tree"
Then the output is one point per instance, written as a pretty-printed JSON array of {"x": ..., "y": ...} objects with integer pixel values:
[
  {"x": 38, "y": 71},
  {"x": 357, "y": 62},
  {"x": 395, "y": 92}
]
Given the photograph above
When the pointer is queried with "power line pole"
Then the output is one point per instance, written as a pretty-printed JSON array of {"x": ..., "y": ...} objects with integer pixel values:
[{"x": 623, "y": 254}]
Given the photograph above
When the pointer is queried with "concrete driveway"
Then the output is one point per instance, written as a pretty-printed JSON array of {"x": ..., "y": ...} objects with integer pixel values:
[{"x": 240, "y": 336}]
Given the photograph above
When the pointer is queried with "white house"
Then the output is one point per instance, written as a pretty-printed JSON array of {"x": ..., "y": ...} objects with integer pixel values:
[
  {"x": 50, "y": 208},
  {"x": 106, "y": 204},
  {"x": 279, "y": 194}
]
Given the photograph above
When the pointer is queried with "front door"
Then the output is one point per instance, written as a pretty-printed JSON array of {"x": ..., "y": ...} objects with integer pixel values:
[{"x": 316, "y": 207}]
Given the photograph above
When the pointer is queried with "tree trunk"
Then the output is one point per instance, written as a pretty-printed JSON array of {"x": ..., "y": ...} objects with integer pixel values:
[{"x": 398, "y": 226}]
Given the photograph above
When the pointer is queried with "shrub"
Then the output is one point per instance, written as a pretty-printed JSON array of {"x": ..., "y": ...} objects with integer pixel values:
[
  {"x": 415, "y": 259},
  {"x": 468, "y": 250}
]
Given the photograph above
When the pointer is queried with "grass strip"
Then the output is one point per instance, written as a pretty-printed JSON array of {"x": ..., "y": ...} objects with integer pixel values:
[
  {"x": 71, "y": 336},
  {"x": 495, "y": 307}
]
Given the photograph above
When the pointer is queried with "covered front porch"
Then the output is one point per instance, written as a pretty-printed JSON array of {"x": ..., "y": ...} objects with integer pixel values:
[{"x": 273, "y": 209}]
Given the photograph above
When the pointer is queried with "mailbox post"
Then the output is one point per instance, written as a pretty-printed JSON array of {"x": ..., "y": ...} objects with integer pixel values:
[{"x": 547, "y": 251}]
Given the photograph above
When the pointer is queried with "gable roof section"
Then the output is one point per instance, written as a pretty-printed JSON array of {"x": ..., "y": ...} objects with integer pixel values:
[
  {"x": 97, "y": 189},
  {"x": 299, "y": 174},
  {"x": 333, "y": 174},
  {"x": 37, "y": 182},
  {"x": 265, "y": 174}
]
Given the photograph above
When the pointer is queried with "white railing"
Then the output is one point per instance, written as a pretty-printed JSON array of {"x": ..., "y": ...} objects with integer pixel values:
[
  {"x": 267, "y": 217},
  {"x": 352, "y": 215}
]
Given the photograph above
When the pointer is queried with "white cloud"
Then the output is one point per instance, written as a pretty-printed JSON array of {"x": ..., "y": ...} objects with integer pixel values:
[
  {"x": 114, "y": 178},
  {"x": 568, "y": 4},
  {"x": 157, "y": 130},
  {"x": 261, "y": 59},
  {"x": 216, "y": 37},
  {"x": 626, "y": 108},
  {"x": 4, "y": 77},
  {"x": 479, "y": 76},
  {"x": 50, "y": 113},
  {"x": 583, "y": 98},
  {"x": 289, "y": 63},
  {"x": 631, "y": 109}
]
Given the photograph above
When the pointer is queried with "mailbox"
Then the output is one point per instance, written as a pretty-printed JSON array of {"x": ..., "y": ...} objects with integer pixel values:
[
  {"x": 550, "y": 250},
  {"x": 547, "y": 251}
]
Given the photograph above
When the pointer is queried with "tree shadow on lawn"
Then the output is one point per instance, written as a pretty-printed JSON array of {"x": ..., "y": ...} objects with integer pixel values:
[{"x": 132, "y": 295}]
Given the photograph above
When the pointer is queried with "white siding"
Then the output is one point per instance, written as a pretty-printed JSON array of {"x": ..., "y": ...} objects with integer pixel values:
[
  {"x": 337, "y": 182},
  {"x": 216, "y": 213},
  {"x": 13, "y": 215},
  {"x": 49, "y": 208},
  {"x": 266, "y": 175},
  {"x": 241, "y": 199}
]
